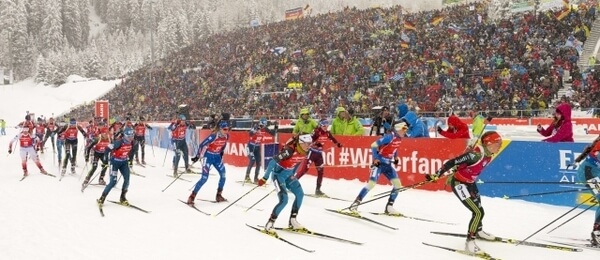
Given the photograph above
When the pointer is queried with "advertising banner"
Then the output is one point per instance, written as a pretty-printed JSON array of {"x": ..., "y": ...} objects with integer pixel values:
[
  {"x": 102, "y": 109},
  {"x": 521, "y": 168},
  {"x": 295, "y": 13}
]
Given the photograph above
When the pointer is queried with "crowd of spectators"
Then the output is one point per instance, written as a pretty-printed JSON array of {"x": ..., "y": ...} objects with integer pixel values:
[{"x": 451, "y": 59}]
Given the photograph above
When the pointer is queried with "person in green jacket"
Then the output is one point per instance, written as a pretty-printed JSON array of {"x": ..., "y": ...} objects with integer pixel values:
[
  {"x": 478, "y": 126},
  {"x": 345, "y": 124},
  {"x": 305, "y": 124}
]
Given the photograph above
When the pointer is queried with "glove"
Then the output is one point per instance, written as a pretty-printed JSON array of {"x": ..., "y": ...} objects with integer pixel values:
[
  {"x": 130, "y": 163},
  {"x": 222, "y": 153},
  {"x": 9, "y": 151},
  {"x": 339, "y": 144},
  {"x": 573, "y": 165},
  {"x": 87, "y": 159},
  {"x": 432, "y": 177},
  {"x": 319, "y": 145},
  {"x": 439, "y": 129},
  {"x": 195, "y": 159},
  {"x": 376, "y": 163},
  {"x": 37, "y": 149},
  {"x": 276, "y": 126},
  {"x": 489, "y": 119},
  {"x": 396, "y": 161},
  {"x": 261, "y": 182},
  {"x": 539, "y": 127}
]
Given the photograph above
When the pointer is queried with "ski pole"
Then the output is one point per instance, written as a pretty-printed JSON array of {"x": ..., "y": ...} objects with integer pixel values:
[
  {"x": 83, "y": 170},
  {"x": 552, "y": 222},
  {"x": 401, "y": 189},
  {"x": 92, "y": 179},
  {"x": 176, "y": 178},
  {"x": 166, "y": 152},
  {"x": 529, "y": 182},
  {"x": 249, "y": 208},
  {"x": 387, "y": 193},
  {"x": 541, "y": 193},
  {"x": 586, "y": 209},
  {"x": 230, "y": 204}
]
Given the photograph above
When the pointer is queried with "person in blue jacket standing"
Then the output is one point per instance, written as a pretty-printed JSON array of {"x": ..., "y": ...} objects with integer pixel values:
[
  {"x": 120, "y": 152},
  {"x": 215, "y": 145},
  {"x": 416, "y": 127}
]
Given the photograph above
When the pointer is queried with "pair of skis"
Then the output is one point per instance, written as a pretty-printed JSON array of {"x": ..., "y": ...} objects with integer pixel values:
[
  {"x": 576, "y": 242},
  {"x": 101, "y": 207},
  {"x": 47, "y": 174},
  {"x": 569, "y": 247},
  {"x": 357, "y": 215},
  {"x": 302, "y": 231}
]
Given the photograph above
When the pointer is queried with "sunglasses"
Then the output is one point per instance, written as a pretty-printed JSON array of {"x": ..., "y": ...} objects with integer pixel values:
[{"x": 304, "y": 114}]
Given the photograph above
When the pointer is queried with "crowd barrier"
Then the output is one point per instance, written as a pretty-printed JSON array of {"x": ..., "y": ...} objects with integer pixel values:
[{"x": 521, "y": 167}]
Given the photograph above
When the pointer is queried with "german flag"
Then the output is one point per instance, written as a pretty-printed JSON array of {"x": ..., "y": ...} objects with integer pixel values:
[
  {"x": 436, "y": 20},
  {"x": 563, "y": 14},
  {"x": 409, "y": 26},
  {"x": 487, "y": 79}
]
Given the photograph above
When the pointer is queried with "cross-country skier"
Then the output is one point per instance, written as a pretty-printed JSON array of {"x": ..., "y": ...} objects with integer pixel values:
[
  {"x": 27, "y": 143},
  {"x": 215, "y": 147},
  {"x": 119, "y": 152},
  {"x": 385, "y": 153},
  {"x": 463, "y": 183},
  {"x": 282, "y": 167}
]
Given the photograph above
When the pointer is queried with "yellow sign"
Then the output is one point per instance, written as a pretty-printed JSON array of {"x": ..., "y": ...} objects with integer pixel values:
[{"x": 588, "y": 197}]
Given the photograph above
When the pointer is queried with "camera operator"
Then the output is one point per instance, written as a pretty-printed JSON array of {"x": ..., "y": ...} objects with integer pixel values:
[{"x": 384, "y": 117}]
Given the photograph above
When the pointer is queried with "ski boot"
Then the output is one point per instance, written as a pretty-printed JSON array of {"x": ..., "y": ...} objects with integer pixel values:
[
  {"x": 595, "y": 238},
  {"x": 191, "y": 199},
  {"x": 73, "y": 170},
  {"x": 86, "y": 180},
  {"x": 101, "y": 181},
  {"x": 122, "y": 199},
  {"x": 219, "y": 197},
  {"x": 485, "y": 235},
  {"x": 269, "y": 226},
  {"x": 175, "y": 172},
  {"x": 294, "y": 224},
  {"x": 354, "y": 206},
  {"x": 63, "y": 171},
  {"x": 247, "y": 179},
  {"x": 43, "y": 171},
  {"x": 25, "y": 173},
  {"x": 390, "y": 210},
  {"x": 319, "y": 193},
  {"x": 100, "y": 201}
]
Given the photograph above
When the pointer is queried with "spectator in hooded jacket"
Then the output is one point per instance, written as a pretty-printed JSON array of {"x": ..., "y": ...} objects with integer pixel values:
[
  {"x": 305, "y": 124},
  {"x": 416, "y": 127},
  {"x": 456, "y": 129},
  {"x": 346, "y": 124},
  {"x": 561, "y": 129}
]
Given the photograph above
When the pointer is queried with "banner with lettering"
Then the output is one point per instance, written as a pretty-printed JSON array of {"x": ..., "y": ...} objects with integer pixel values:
[
  {"x": 521, "y": 167},
  {"x": 295, "y": 13},
  {"x": 102, "y": 109}
]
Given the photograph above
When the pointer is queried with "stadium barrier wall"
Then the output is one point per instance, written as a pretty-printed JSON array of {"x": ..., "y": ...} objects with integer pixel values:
[{"x": 542, "y": 166}]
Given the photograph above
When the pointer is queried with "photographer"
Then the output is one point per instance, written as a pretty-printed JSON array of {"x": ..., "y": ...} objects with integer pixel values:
[{"x": 384, "y": 117}]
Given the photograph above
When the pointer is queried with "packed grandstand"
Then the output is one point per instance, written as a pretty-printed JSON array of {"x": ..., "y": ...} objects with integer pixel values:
[{"x": 453, "y": 59}]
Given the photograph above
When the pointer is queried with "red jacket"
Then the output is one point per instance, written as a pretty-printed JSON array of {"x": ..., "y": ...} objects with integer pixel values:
[{"x": 461, "y": 130}]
